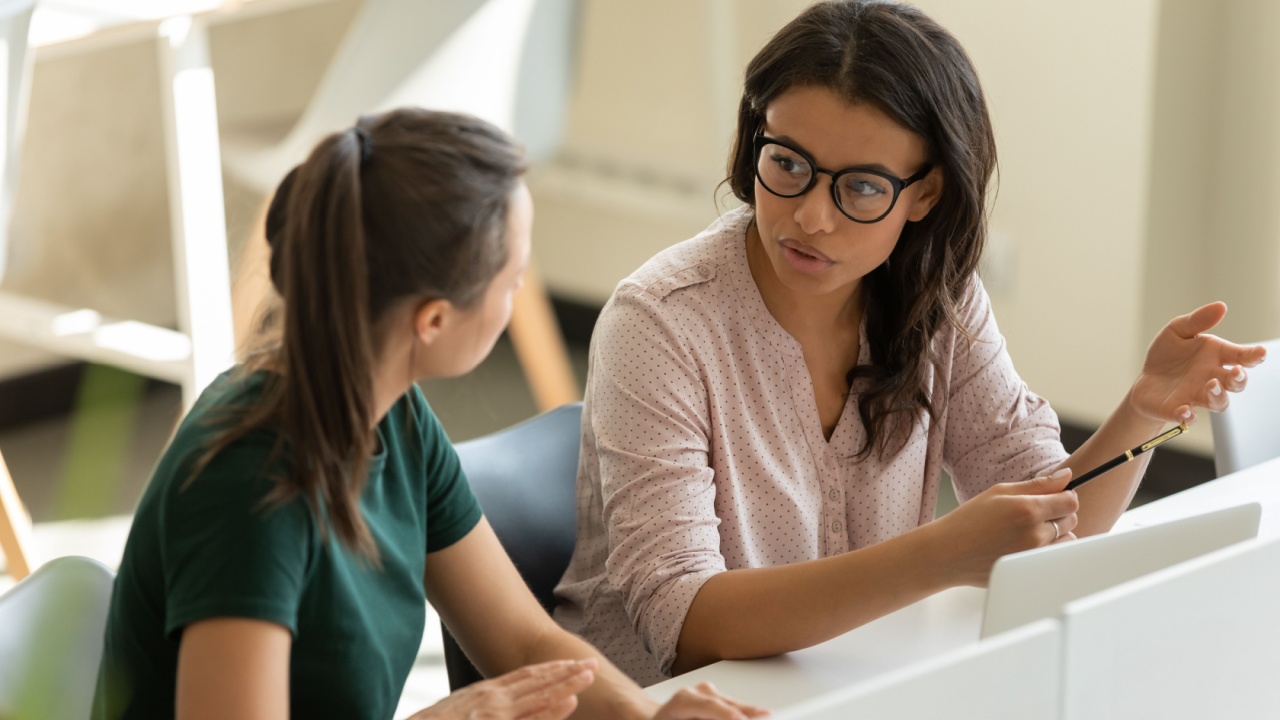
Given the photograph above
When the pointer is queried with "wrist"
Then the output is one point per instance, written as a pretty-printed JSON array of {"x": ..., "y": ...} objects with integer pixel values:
[{"x": 936, "y": 552}]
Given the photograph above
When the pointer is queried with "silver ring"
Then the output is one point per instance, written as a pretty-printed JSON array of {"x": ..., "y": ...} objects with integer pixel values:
[{"x": 1057, "y": 533}]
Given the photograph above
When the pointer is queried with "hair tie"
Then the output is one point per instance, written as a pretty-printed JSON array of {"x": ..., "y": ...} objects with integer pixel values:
[{"x": 366, "y": 143}]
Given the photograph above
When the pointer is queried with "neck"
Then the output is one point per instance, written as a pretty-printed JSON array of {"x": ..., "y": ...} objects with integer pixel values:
[
  {"x": 392, "y": 378},
  {"x": 799, "y": 313}
]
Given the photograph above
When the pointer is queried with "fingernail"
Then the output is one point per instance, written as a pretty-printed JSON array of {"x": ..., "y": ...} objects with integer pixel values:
[
  {"x": 1060, "y": 473},
  {"x": 1215, "y": 388},
  {"x": 1239, "y": 375}
]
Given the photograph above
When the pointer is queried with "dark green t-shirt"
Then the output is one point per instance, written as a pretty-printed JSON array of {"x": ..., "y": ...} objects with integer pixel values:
[{"x": 211, "y": 550}]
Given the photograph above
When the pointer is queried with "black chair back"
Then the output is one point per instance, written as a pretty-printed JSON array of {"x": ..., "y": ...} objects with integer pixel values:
[{"x": 525, "y": 479}]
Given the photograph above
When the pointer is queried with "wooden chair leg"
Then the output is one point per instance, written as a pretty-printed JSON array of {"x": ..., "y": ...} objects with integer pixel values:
[
  {"x": 15, "y": 527},
  {"x": 540, "y": 347}
]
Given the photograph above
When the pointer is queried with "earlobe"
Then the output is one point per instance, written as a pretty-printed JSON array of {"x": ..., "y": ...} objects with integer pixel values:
[
  {"x": 430, "y": 319},
  {"x": 931, "y": 192}
]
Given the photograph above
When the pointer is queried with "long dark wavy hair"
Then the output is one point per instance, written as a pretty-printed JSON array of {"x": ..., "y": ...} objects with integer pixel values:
[
  {"x": 410, "y": 205},
  {"x": 893, "y": 57}
]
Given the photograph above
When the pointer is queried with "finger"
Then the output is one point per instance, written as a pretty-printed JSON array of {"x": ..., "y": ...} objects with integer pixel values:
[
  {"x": 751, "y": 710},
  {"x": 1067, "y": 523},
  {"x": 1234, "y": 378},
  {"x": 1247, "y": 355},
  {"x": 689, "y": 704},
  {"x": 559, "y": 711},
  {"x": 1185, "y": 414},
  {"x": 1053, "y": 506},
  {"x": 1051, "y": 483},
  {"x": 1066, "y": 537},
  {"x": 1215, "y": 396},
  {"x": 1202, "y": 319},
  {"x": 553, "y": 692},
  {"x": 532, "y": 677}
]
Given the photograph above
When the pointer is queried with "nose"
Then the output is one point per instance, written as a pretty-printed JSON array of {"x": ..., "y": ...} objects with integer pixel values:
[{"x": 816, "y": 211}]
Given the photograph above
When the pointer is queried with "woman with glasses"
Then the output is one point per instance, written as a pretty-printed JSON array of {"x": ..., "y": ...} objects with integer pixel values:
[{"x": 771, "y": 403}]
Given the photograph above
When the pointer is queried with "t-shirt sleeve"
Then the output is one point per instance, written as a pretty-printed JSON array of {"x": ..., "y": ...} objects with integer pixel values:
[
  {"x": 452, "y": 509},
  {"x": 998, "y": 430},
  {"x": 227, "y": 555}
]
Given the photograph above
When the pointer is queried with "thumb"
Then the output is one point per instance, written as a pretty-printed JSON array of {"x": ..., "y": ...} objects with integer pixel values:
[
  {"x": 1202, "y": 319},
  {"x": 1056, "y": 482}
]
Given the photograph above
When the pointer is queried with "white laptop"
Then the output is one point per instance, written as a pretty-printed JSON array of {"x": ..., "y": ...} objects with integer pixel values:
[{"x": 1027, "y": 586}]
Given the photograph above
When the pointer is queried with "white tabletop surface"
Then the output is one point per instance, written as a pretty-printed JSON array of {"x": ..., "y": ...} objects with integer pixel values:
[
  {"x": 1260, "y": 483},
  {"x": 945, "y": 621},
  {"x": 939, "y": 623}
]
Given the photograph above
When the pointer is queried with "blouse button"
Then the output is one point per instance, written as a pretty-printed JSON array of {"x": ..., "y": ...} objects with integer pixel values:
[
  {"x": 835, "y": 526},
  {"x": 704, "y": 271},
  {"x": 834, "y": 494}
]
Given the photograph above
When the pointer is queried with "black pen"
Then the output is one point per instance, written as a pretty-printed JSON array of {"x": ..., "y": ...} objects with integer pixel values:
[{"x": 1128, "y": 455}]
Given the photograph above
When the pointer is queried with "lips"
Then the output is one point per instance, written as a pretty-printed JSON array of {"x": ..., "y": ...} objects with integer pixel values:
[
  {"x": 805, "y": 259},
  {"x": 804, "y": 250}
]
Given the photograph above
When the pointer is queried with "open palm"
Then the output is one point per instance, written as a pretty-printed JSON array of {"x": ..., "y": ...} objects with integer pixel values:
[{"x": 1187, "y": 368}]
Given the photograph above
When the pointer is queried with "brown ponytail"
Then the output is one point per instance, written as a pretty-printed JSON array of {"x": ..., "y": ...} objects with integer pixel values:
[{"x": 409, "y": 205}]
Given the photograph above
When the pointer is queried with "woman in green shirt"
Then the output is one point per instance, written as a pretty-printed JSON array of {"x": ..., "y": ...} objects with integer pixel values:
[{"x": 310, "y": 501}]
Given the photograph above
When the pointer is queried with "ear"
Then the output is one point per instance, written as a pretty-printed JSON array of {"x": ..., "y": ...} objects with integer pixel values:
[
  {"x": 430, "y": 319},
  {"x": 930, "y": 193}
]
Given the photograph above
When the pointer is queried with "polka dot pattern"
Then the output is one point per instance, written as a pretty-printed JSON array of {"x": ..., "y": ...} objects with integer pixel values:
[{"x": 702, "y": 449}]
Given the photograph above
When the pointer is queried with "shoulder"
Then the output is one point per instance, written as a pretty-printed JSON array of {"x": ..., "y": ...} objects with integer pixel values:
[
  {"x": 243, "y": 470},
  {"x": 698, "y": 261}
]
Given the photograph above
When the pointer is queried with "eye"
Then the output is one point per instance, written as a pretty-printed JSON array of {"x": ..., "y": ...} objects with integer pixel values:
[
  {"x": 788, "y": 163},
  {"x": 859, "y": 185}
]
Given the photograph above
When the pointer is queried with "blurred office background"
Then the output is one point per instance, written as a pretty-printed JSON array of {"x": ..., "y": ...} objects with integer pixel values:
[{"x": 1138, "y": 146}]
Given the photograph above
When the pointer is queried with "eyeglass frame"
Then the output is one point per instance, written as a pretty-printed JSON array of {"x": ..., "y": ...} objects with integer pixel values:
[{"x": 898, "y": 184}]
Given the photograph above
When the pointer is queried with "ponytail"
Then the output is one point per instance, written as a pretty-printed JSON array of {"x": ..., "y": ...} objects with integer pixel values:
[{"x": 409, "y": 205}]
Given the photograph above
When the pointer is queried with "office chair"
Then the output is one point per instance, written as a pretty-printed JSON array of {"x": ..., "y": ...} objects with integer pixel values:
[
  {"x": 51, "y": 630},
  {"x": 201, "y": 346},
  {"x": 507, "y": 61},
  {"x": 1245, "y": 434},
  {"x": 525, "y": 479}
]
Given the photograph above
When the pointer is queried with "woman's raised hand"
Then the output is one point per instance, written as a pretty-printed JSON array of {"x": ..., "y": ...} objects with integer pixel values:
[
  {"x": 547, "y": 691},
  {"x": 1186, "y": 368},
  {"x": 1003, "y": 519}
]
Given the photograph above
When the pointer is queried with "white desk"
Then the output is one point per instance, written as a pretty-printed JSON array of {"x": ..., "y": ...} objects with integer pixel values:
[
  {"x": 931, "y": 627},
  {"x": 1260, "y": 483},
  {"x": 943, "y": 622}
]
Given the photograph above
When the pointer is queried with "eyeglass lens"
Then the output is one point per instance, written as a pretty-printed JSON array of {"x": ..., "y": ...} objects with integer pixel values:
[{"x": 863, "y": 196}]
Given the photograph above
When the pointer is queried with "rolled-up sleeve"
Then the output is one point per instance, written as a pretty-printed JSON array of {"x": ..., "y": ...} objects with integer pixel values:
[
  {"x": 997, "y": 429},
  {"x": 651, "y": 442}
]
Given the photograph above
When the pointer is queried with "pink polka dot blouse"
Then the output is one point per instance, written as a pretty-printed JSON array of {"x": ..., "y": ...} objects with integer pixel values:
[{"x": 702, "y": 450}]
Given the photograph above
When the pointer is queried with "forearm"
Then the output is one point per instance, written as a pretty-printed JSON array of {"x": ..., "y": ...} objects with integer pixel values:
[
  {"x": 760, "y": 612},
  {"x": 612, "y": 695},
  {"x": 1104, "y": 499}
]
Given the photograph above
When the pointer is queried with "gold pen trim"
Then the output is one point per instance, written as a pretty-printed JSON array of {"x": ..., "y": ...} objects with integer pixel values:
[{"x": 1167, "y": 436}]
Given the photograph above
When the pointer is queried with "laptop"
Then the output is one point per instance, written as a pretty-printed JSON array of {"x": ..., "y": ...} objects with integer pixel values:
[{"x": 1027, "y": 586}]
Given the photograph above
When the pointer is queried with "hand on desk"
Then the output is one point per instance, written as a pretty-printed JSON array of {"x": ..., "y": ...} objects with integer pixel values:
[
  {"x": 1186, "y": 368},
  {"x": 546, "y": 691},
  {"x": 1006, "y": 518},
  {"x": 704, "y": 702}
]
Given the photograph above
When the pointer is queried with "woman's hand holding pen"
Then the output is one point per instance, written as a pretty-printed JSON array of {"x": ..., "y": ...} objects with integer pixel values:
[
  {"x": 1006, "y": 518},
  {"x": 1186, "y": 368}
]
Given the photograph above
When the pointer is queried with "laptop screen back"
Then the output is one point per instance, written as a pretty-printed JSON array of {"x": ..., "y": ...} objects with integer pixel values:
[{"x": 1035, "y": 584}]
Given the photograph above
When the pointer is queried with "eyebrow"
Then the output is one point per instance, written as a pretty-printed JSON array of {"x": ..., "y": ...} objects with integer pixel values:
[{"x": 879, "y": 167}]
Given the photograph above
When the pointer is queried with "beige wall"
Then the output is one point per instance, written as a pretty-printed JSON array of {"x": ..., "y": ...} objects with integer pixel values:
[{"x": 1138, "y": 145}]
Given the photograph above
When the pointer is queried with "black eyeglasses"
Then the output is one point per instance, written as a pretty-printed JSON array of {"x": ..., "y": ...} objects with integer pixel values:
[{"x": 862, "y": 194}]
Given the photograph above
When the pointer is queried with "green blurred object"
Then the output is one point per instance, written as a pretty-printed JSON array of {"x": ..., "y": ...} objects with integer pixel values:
[{"x": 99, "y": 442}]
